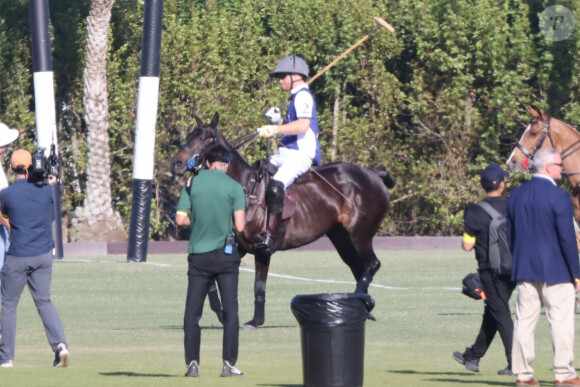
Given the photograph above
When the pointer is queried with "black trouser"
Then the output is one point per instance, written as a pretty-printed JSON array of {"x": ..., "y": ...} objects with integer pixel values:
[
  {"x": 204, "y": 269},
  {"x": 496, "y": 316}
]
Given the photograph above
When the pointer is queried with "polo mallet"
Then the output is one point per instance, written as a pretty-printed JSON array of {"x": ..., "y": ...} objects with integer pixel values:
[{"x": 382, "y": 24}]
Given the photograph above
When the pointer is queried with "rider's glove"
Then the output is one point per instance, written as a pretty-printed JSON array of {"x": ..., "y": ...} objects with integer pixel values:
[
  {"x": 267, "y": 131},
  {"x": 273, "y": 115}
]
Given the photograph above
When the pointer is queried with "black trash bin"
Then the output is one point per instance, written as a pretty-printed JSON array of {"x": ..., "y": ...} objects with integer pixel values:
[{"x": 332, "y": 329}]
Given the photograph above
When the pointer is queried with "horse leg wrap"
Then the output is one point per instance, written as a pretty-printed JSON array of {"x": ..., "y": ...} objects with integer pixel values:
[
  {"x": 259, "y": 308},
  {"x": 362, "y": 285}
]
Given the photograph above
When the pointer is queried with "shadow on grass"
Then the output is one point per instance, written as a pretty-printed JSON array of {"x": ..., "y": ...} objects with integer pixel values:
[
  {"x": 139, "y": 375},
  {"x": 270, "y": 327},
  {"x": 281, "y": 385},
  {"x": 449, "y": 379},
  {"x": 180, "y": 327}
]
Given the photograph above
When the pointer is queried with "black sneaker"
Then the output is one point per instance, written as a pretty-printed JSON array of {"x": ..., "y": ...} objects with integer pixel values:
[
  {"x": 192, "y": 369},
  {"x": 61, "y": 356},
  {"x": 471, "y": 365},
  {"x": 506, "y": 371},
  {"x": 230, "y": 370}
]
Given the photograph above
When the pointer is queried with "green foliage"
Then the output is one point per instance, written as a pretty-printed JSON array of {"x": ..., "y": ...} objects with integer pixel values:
[{"x": 435, "y": 102}]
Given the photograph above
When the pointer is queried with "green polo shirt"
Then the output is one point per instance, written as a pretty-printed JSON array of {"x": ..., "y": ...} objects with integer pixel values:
[{"x": 214, "y": 198}]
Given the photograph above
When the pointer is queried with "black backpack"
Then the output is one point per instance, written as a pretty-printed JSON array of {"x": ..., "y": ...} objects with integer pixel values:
[{"x": 500, "y": 257}]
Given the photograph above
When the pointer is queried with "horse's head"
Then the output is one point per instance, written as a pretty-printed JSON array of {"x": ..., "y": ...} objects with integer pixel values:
[
  {"x": 197, "y": 143},
  {"x": 532, "y": 140}
]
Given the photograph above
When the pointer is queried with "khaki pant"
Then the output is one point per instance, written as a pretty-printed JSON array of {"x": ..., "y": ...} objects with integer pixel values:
[{"x": 559, "y": 301}]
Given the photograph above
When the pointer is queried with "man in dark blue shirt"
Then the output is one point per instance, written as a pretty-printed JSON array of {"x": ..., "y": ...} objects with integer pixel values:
[
  {"x": 29, "y": 208},
  {"x": 498, "y": 287}
]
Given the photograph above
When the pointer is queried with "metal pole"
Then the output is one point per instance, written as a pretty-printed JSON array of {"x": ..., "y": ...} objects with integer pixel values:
[{"x": 44, "y": 99}]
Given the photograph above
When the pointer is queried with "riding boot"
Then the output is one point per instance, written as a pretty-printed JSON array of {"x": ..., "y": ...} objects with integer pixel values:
[{"x": 275, "y": 204}]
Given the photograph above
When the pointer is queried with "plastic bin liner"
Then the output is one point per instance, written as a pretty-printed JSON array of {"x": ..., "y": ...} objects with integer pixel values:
[{"x": 318, "y": 311}]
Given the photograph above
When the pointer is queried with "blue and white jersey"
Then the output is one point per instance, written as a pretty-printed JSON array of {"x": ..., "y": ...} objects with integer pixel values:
[{"x": 302, "y": 105}]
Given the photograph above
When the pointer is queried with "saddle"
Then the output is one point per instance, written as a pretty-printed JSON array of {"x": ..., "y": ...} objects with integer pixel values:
[{"x": 265, "y": 171}]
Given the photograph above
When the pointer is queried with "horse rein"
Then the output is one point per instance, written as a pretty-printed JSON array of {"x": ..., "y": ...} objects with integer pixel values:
[{"x": 332, "y": 186}]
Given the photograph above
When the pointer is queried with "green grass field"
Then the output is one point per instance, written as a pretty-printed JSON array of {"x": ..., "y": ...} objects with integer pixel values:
[{"x": 124, "y": 324}]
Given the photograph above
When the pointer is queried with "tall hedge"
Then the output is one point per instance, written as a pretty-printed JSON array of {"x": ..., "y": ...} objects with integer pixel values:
[{"x": 434, "y": 102}]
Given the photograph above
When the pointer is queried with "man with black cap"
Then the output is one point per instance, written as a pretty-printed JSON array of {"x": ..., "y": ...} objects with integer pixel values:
[
  {"x": 213, "y": 206},
  {"x": 498, "y": 287}
]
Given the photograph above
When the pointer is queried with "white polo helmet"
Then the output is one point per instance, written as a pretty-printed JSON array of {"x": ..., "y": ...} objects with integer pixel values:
[{"x": 291, "y": 65}]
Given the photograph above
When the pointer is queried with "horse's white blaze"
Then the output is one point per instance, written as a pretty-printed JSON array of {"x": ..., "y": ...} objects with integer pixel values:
[{"x": 509, "y": 160}]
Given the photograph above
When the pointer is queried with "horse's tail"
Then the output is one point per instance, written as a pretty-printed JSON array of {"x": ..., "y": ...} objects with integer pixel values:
[{"x": 385, "y": 176}]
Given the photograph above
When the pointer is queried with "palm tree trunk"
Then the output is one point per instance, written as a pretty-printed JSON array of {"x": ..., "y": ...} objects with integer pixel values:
[{"x": 97, "y": 221}]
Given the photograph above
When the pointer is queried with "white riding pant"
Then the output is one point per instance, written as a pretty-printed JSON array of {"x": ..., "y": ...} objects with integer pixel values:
[{"x": 291, "y": 163}]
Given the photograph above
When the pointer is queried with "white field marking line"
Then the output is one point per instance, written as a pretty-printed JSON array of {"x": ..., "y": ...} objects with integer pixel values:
[
  {"x": 345, "y": 282},
  {"x": 270, "y": 274},
  {"x": 92, "y": 261},
  {"x": 322, "y": 280}
]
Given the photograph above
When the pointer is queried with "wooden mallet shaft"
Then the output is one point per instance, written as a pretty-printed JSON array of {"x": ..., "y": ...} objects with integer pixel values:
[{"x": 382, "y": 24}]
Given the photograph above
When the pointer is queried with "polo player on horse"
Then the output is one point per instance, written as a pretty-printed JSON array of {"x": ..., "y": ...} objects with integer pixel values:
[{"x": 300, "y": 149}]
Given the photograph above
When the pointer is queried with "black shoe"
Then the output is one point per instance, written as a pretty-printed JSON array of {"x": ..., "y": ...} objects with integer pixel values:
[
  {"x": 506, "y": 371},
  {"x": 61, "y": 356},
  {"x": 471, "y": 365},
  {"x": 192, "y": 369}
]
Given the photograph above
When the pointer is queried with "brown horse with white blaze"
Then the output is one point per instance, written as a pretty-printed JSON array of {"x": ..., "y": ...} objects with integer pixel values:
[
  {"x": 547, "y": 131},
  {"x": 343, "y": 201}
]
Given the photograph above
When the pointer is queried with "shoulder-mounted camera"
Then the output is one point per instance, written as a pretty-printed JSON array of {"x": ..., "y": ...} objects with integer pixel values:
[{"x": 43, "y": 166}]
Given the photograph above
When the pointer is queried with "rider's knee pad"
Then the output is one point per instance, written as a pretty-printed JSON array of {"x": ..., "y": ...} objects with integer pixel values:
[{"x": 275, "y": 196}]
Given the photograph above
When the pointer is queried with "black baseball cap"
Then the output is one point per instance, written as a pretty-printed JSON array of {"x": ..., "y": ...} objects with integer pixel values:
[{"x": 493, "y": 173}]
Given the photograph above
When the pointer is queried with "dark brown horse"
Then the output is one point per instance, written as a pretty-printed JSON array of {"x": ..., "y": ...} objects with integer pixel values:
[
  {"x": 343, "y": 201},
  {"x": 546, "y": 131}
]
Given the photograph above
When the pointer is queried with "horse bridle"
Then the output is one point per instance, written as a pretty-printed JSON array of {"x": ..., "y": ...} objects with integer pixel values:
[
  {"x": 195, "y": 160},
  {"x": 545, "y": 133},
  {"x": 568, "y": 151}
]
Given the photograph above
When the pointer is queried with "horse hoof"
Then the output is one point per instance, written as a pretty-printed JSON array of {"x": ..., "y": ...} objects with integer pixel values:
[{"x": 252, "y": 325}]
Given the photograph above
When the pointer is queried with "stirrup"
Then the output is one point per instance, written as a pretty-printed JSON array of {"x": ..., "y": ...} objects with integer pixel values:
[{"x": 262, "y": 240}]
